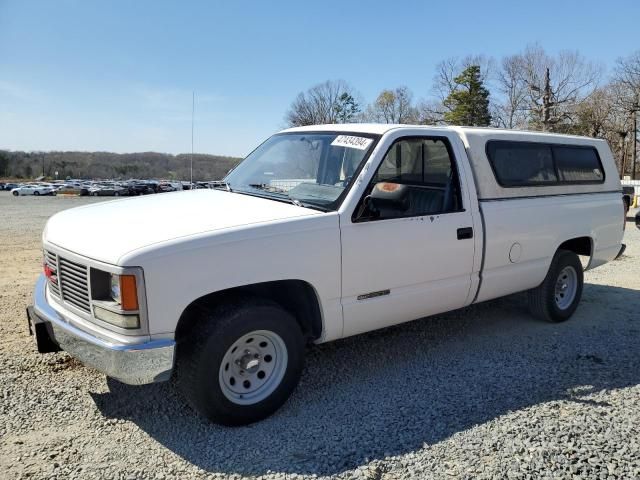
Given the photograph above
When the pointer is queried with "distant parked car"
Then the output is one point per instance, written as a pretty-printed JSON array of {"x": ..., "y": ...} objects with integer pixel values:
[
  {"x": 166, "y": 187},
  {"x": 108, "y": 191},
  {"x": 73, "y": 190},
  {"x": 33, "y": 190},
  {"x": 638, "y": 219},
  {"x": 140, "y": 188},
  {"x": 11, "y": 186}
]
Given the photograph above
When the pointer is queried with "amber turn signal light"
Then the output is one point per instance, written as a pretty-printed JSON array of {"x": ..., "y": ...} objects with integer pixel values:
[{"x": 128, "y": 292}]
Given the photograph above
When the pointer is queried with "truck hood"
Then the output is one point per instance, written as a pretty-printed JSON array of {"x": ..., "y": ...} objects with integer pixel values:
[{"x": 107, "y": 231}]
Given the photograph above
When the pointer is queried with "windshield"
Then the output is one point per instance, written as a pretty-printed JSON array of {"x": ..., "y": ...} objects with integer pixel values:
[{"x": 310, "y": 169}]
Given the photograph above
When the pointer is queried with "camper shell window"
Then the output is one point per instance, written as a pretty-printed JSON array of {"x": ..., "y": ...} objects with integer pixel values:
[{"x": 523, "y": 164}]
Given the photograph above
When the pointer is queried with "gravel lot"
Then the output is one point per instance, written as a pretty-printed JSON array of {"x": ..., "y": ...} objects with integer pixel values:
[{"x": 482, "y": 392}]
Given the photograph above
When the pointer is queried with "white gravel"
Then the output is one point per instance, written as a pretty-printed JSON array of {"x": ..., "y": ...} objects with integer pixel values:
[{"x": 483, "y": 392}]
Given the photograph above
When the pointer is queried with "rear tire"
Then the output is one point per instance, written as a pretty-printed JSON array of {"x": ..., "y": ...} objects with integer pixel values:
[
  {"x": 558, "y": 296},
  {"x": 240, "y": 361},
  {"x": 36, "y": 193},
  {"x": 16, "y": 194}
]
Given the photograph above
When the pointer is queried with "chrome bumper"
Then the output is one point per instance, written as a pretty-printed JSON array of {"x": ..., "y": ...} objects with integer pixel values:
[{"x": 135, "y": 364}]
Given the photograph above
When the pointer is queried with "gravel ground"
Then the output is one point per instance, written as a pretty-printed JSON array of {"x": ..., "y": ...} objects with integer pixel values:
[{"x": 483, "y": 392}]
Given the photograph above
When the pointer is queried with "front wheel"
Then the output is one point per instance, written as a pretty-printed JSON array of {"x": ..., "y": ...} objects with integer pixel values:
[
  {"x": 15, "y": 194},
  {"x": 36, "y": 193},
  {"x": 239, "y": 363},
  {"x": 557, "y": 297}
]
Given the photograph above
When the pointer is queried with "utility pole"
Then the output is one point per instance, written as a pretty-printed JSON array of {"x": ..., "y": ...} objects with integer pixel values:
[
  {"x": 193, "y": 109},
  {"x": 623, "y": 150},
  {"x": 546, "y": 101},
  {"x": 634, "y": 139}
]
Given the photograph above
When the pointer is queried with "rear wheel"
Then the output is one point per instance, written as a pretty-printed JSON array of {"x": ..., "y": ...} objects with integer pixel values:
[
  {"x": 557, "y": 297},
  {"x": 239, "y": 363},
  {"x": 15, "y": 194},
  {"x": 116, "y": 194},
  {"x": 36, "y": 193}
]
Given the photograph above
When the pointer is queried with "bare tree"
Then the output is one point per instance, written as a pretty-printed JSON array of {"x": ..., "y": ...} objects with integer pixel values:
[
  {"x": 597, "y": 115},
  {"x": 394, "y": 106},
  {"x": 628, "y": 76},
  {"x": 510, "y": 110},
  {"x": 329, "y": 102},
  {"x": 555, "y": 86}
]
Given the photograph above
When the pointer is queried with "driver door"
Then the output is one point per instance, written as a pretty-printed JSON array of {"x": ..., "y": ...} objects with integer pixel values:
[{"x": 403, "y": 265}]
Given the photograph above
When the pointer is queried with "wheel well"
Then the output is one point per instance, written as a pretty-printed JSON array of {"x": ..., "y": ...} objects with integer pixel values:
[
  {"x": 296, "y": 296},
  {"x": 579, "y": 246}
]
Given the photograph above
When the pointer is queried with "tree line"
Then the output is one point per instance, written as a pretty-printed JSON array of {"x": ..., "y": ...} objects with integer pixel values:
[
  {"x": 18, "y": 164},
  {"x": 532, "y": 90}
]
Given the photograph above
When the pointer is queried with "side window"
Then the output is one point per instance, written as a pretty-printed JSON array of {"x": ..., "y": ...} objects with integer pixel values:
[
  {"x": 426, "y": 169},
  {"x": 519, "y": 164},
  {"x": 576, "y": 165}
]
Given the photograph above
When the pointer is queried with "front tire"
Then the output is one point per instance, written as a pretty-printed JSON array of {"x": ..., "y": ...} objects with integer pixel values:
[
  {"x": 241, "y": 361},
  {"x": 15, "y": 194},
  {"x": 36, "y": 193},
  {"x": 558, "y": 296}
]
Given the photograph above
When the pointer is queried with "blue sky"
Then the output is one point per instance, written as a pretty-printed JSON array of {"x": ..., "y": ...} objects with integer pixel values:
[{"x": 118, "y": 75}]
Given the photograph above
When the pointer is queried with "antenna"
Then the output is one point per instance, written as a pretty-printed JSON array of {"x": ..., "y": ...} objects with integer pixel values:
[{"x": 193, "y": 109}]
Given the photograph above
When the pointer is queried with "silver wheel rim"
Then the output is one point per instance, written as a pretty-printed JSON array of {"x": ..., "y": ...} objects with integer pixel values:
[
  {"x": 253, "y": 367},
  {"x": 566, "y": 287}
]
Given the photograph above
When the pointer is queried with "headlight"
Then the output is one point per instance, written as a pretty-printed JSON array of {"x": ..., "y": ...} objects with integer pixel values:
[
  {"x": 115, "y": 288},
  {"x": 124, "y": 291},
  {"x": 115, "y": 299},
  {"x": 116, "y": 318}
]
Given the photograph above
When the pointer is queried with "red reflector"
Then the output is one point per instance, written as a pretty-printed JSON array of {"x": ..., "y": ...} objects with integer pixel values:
[{"x": 48, "y": 272}]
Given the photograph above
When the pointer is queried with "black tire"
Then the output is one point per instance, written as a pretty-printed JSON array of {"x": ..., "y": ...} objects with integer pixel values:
[
  {"x": 213, "y": 332},
  {"x": 15, "y": 194},
  {"x": 36, "y": 193},
  {"x": 543, "y": 301},
  {"x": 116, "y": 194}
]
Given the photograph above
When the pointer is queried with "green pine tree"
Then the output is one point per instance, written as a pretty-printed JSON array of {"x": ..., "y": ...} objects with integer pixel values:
[{"x": 468, "y": 104}]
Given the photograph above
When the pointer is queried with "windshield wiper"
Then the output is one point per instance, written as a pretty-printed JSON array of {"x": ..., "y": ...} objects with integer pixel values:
[
  {"x": 283, "y": 196},
  {"x": 221, "y": 184}
]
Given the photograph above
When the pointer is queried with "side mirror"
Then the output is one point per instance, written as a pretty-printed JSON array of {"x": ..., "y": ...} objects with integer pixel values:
[{"x": 388, "y": 196}]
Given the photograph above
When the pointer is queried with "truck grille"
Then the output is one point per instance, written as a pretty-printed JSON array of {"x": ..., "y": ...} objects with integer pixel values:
[{"x": 72, "y": 285}]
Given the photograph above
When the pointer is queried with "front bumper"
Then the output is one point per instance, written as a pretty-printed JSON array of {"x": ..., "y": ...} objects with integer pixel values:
[{"x": 135, "y": 364}]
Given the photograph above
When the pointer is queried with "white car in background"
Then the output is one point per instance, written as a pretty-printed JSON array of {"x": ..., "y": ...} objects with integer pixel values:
[{"x": 33, "y": 190}]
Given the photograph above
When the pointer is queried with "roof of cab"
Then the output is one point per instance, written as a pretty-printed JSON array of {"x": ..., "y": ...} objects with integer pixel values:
[{"x": 382, "y": 128}]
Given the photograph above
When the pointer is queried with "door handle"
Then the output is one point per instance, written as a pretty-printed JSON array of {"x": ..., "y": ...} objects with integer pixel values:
[{"x": 466, "y": 232}]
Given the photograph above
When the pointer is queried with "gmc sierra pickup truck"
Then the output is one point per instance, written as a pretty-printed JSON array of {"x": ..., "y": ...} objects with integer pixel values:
[{"x": 320, "y": 233}]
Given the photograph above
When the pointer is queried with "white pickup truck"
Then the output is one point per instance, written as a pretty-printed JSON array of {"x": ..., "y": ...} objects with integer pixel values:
[{"x": 320, "y": 233}]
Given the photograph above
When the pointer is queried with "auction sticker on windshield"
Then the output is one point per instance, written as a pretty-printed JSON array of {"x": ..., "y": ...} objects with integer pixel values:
[{"x": 349, "y": 141}]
